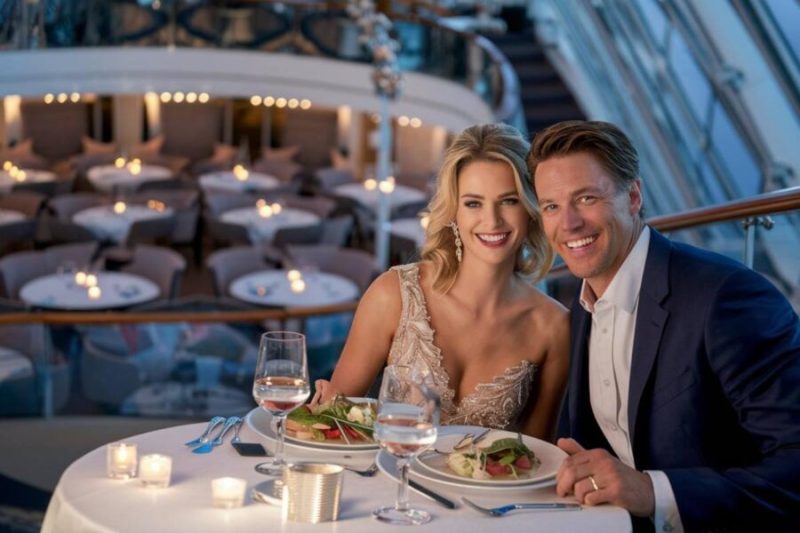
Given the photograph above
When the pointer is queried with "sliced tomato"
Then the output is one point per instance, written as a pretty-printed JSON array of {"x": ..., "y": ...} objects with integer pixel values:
[
  {"x": 332, "y": 434},
  {"x": 523, "y": 463},
  {"x": 496, "y": 469},
  {"x": 351, "y": 433}
]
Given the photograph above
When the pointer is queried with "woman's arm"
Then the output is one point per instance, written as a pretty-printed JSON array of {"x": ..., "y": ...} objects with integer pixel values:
[
  {"x": 552, "y": 376},
  {"x": 369, "y": 341}
]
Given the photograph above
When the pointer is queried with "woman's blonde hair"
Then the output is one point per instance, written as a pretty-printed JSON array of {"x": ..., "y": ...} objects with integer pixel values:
[{"x": 483, "y": 142}]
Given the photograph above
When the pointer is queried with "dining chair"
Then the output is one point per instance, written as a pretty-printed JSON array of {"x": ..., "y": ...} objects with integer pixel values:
[
  {"x": 410, "y": 210},
  {"x": 78, "y": 254},
  {"x": 300, "y": 235},
  {"x": 19, "y": 268},
  {"x": 230, "y": 263},
  {"x": 28, "y": 203},
  {"x": 65, "y": 205},
  {"x": 17, "y": 235},
  {"x": 108, "y": 377},
  {"x": 319, "y": 205},
  {"x": 58, "y": 231},
  {"x": 337, "y": 231},
  {"x": 225, "y": 234},
  {"x": 355, "y": 265},
  {"x": 162, "y": 266},
  {"x": 218, "y": 202},
  {"x": 151, "y": 230}
]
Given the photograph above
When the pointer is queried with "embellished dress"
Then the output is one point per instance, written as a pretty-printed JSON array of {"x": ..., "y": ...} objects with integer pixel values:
[{"x": 497, "y": 403}]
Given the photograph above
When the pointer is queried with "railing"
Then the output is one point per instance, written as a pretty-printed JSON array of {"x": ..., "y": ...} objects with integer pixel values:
[{"x": 298, "y": 27}]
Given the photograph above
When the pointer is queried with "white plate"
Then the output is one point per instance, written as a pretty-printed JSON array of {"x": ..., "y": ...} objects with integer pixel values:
[{"x": 434, "y": 466}]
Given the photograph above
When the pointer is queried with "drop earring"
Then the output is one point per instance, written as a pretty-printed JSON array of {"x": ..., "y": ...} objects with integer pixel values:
[{"x": 459, "y": 251}]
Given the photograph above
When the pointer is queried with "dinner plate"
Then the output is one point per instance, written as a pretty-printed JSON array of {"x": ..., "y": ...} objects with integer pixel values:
[{"x": 434, "y": 465}]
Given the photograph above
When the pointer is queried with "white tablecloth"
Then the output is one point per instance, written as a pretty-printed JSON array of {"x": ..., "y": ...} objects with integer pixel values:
[
  {"x": 399, "y": 196},
  {"x": 409, "y": 228},
  {"x": 227, "y": 181},
  {"x": 7, "y": 182},
  {"x": 263, "y": 229},
  {"x": 7, "y": 216},
  {"x": 272, "y": 287},
  {"x": 106, "y": 178},
  {"x": 86, "y": 501},
  {"x": 59, "y": 291},
  {"x": 106, "y": 224}
]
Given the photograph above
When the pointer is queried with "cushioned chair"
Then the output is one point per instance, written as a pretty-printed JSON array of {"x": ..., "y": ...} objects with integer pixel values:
[
  {"x": 28, "y": 203},
  {"x": 162, "y": 266},
  {"x": 19, "y": 268},
  {"x": 150, "y": 231},
  {"x": 337, "y": 231},
  {"x": 16, "y": 235},
  {"x": 228, "y": 264},
  {"x": 59, "y": 231},
  {"x": 64, "y": 206},
  {"x": 78, "y": 254},
  {"x": 319, "y": 205},
  {"x": 226, "y": 234},
  {"x": 217, "y": 203},
  {"x": 106, "y": 377},
  {"x": 355, "y": 265}
]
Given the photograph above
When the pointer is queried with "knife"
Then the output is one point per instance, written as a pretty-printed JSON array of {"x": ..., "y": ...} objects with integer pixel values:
[{"x": 428, "y": 493}]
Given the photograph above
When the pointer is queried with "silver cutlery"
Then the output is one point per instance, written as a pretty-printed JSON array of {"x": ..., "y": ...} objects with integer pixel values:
[
  {"x": 369, "y": 472},
  {"x": 540, "y": 506},
  {"x": 208, "y": 446},
  {"x": 202, "y": 439},
  {"x": 428, "y": 493}
]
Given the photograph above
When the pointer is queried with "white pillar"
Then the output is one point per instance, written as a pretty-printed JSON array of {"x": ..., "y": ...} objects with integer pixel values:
[
  {"x": 384, "y": 169},
  {"x": 127, "y": 120}
]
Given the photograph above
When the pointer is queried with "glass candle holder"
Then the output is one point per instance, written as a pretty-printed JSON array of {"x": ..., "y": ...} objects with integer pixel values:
[
  {"x": 121, "y": 460},
  {"x": 155, "y": 470},
  {"x": 228, "y": 492}
]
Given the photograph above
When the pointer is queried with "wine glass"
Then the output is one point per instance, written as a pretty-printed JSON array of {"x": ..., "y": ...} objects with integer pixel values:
[
  {"x": 280, "y": 385},
  {"x": 406, "y": 425}
]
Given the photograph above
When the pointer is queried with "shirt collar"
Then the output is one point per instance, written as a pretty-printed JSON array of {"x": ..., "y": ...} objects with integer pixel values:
[{"x": 623, "y": 291}]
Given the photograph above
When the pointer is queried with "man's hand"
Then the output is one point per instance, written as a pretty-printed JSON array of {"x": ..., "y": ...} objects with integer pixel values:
[{"x": 614, "y": 482}]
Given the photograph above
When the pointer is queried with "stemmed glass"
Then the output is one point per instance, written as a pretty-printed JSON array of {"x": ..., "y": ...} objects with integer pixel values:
[
  {"x": 280, "y": 385},
  {"x": 406, "y": 425}
]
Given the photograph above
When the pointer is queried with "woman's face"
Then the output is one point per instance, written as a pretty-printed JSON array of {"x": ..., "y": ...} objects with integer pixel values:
[{"x": 491, "y": 218}]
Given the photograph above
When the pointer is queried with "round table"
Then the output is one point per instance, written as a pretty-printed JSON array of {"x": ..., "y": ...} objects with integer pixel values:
[
  {"x": 409, "y": 228},
  {"x": 107, "y": 178},
  {"x": 272, "y": 287},
  {"x": 227, "y": 181},
  {"x": 9, "y": 216},
  {"x": 107, "y": 224},
  {"x": 399, "y": 196},
  {"x": 7, "y": 182},
  {"x": 263, "y": 229},
  {"x": 86, "y": 501},
  {"x": 59, "y": 291}
]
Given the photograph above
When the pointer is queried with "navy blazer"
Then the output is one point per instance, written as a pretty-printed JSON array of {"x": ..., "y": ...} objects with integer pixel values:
[{"x": 714, "y": 397}]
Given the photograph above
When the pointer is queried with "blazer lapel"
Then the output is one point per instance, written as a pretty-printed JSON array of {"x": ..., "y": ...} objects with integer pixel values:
[{"x": 650, "y": 320}]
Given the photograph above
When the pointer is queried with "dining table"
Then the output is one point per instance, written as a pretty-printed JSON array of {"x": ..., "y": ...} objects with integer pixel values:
[
  {"x": 25, "y": 175},
  {"x": 62, "y": 291},
  {"x": 261, "y": 227},
  {"x": 86, "y": 500},
  {"x": 110, "y": 178},
  {"x": 408, "y": 228},
  {"x": 9, "y": 216},
  {"x": 113, "y": 222},
  {"x": 230, "y": 181},
  {"x": 278, "y": 288},
  {"x": 400, "y": 195}
]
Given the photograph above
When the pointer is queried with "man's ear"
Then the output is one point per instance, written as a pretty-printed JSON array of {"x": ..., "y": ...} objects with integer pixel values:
[{"x": 635, "y": 196}]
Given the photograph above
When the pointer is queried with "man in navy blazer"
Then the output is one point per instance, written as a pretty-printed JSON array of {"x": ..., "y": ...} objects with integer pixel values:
[{"x": 683, "y": 403}]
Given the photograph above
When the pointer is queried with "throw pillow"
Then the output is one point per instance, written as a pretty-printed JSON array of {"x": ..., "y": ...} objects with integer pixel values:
[
  {"x": 22, "y": 155},
  {"x": 148, "y": 149},
  {"x": 286, "y": 153},
  {"x": 92, "y": 147}
]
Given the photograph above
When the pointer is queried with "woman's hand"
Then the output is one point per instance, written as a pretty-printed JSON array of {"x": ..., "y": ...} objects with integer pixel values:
[{"x": 323, "y": 393}]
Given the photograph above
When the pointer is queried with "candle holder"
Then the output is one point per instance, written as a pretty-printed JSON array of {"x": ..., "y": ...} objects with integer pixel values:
[
  {"x": 121, "y": 460},
  {"x": 228, "y": 492},
  {"x": 155, "y": 470}
]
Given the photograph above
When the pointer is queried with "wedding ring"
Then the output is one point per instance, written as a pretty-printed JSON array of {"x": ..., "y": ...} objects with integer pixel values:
[{"x": 594, "y": 483}]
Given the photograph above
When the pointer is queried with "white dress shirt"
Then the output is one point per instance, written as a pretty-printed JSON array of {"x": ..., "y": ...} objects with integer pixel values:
[{"x": 610, "y": 353}]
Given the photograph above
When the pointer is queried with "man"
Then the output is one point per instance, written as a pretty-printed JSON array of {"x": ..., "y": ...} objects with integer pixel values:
[{"x": 683, "y": 402}]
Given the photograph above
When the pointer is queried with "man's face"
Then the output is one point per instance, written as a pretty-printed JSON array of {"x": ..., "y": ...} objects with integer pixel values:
[{"x": 588, "y": 220}]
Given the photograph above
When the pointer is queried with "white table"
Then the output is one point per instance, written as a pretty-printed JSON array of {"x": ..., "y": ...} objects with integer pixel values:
[
  {"x": 409, "y": 228},
  {"x": 7, "y": 182},
  {"x": 59, "y": 291},
  {"x": 9, "y": 216},
  {"x": 86, "y": 501},
  {"x": 108, "y": 178},
  {"x": 263, "y": 229},
  {"x": 272, "y": 287},
  {"x": 227, "y": 181},
  {"x": 107, "y": 224},
  {"x": 401, "y": 195}
]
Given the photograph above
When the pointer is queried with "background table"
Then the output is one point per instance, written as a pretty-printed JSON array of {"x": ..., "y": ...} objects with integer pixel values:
[
  {"x": 7, "y": 216},
  {"x": 272, "y": 287},
  {"x": 109, "y": 225},
  {"x": 7, "y": 182},
  {"x": 263, "y": 229},
  {"x": 59, "y": 291},
  {"x": 86, "y": 501},
  {"x": 409, "y": 228},
  {"x": 399, "y": 196},
  {"x": 107, "y": 178},
  {"x": 227, "y": 181}
]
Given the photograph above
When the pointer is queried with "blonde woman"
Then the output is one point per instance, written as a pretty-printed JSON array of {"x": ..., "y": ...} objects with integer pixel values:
[{"x": 468, "y": 315}]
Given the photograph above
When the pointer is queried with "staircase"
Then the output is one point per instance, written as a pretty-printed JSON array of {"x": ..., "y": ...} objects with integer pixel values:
[{"x": 545, "y": 98}]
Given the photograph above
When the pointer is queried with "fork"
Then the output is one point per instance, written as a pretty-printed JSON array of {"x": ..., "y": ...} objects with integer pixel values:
[
  {"x": 369, "y": 472},
  {"x": 208, "y": 446},
  {"x": 475, "y": 440},
  {"x": 503, "y": 509},
  {"x": 202, "y": 439}
]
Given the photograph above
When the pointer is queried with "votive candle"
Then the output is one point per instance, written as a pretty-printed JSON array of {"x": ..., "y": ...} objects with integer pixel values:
[
  {"x": 155, "y": 470},
  {"x": 121, "y": 460},
  {"x": 228, "y": 492}
]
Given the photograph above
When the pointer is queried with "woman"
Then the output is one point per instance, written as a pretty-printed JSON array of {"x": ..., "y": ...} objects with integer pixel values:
[{"x": 468, "y": 315}]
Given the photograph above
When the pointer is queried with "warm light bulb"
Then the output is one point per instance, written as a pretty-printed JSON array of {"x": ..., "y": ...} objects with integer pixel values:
[
  {"x": 80, "y": 278},
  {"x": 119, "y": 162},
  {"x": 119, "y": 207},
  {"x": 269, "y": 101},
  {"x": 298, "y": 285},
  {"x": 255, "y": 100},
  {"x": 386, "y": 186},
  {"x": 48, "y": 98},
  {"x": 293, "y": 275},
  {"x": 370, "y": 184},
  {"x": 203, "y": 98},
  {"x": 21, "y": 176},
  {"x": 415, "y": 122},
  {"x": 74, "y": 97},
  {"x": 403, "y": 120},
  {"x": 94, "y": 292},
  {"x": 265, "y": 211},
  {"x": 191, "y": 97},
  {"x": 276, "y": 208},
  {"x": 293, "y": 103},
  {"x": 91, "y": 280},
  {"x": 62, "y": 97},
  {"x": 280, "y": 102},
  {"x": 166, "y": 97},
  {"x": 305, "y": 103},
  {"x": 240, "y": 173},
  {"x": 7, "y": 165}
]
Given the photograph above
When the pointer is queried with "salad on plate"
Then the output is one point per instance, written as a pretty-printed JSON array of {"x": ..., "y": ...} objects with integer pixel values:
[
  {"x": 502, "y": 459},
  {"x": 340, "y": 421}
]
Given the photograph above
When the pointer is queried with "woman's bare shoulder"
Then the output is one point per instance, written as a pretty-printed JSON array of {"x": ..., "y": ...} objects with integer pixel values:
[{"x": 548, "y": 316}]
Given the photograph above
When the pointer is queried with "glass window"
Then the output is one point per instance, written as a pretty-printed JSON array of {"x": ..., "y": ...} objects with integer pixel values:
[
  {"x": 785, "y": 14},
  {"x": 689, "y": 76},
  {"x": 735, "y": 154},
  {"x": 654, "y": 18}
]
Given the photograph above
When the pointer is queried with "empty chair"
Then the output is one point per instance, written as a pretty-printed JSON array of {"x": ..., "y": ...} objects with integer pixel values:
[
  {"x": 224, "y": 233},
  {"x": 108, "y": 377},
  {"x": 218, "y": 203},
  {"x": 300, "y": 235},
  {"x": 329, "y": 178},
  {"x": 150, "y": 230},
  {"x": 337, "y": 231},
  {"x": 45, "y": 188},
  {"x": 25, "y": 202},
  {"x": 62, "y": 231},
  {"x": 13, "y": 234},
  {"x": 19, "y": 268},
  {"x": 319, "y": 205},
  {"x": 78, "y": 254},
  {"x": 410, "y": 210},
  {"x": 355, "y": 265},
  {"x": 162, "y": 266},
  {"x": 186, "y": 205},
  {"x": 66, "y": 205},
  {"x": 231, "y": 263}
]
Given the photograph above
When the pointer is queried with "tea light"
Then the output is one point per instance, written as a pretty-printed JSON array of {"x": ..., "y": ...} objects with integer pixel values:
[
  {"x": 121, "y": 460},
  {"x": 135, "y": 168},
  {"x": 240, "y": 173},
  {"x": 94, "y": 292},
  {"x": 276, "y": 208},
  {"x": 120, "y": 207},
  {"x": 91, "y": 280},
  {"x": 293, "y": 275},
  {"x": 265, "y": 211},
  {"x": 261, "y": 202},
  {"x": 21, "y": 176},
  {"x": 370, "y": 184},
  {"x": 80, "y": 278},
  {"x": 298, "y": 285},
  {"x": 119, "y": 162},
  {"x": 155, "y": 470},
  {"x": 7, "y": 165},
  {"x": 228, "y": 492},
  {"x": 386, "y": 186}
]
